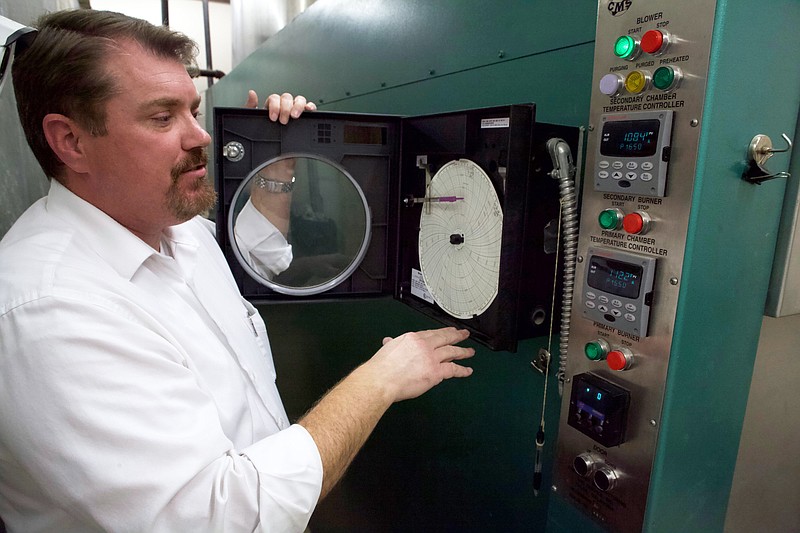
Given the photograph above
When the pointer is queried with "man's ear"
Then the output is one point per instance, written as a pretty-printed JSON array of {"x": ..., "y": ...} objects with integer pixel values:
[{"x": 64, "y": 137}]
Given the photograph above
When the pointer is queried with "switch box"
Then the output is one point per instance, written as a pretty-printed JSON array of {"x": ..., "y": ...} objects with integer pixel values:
[{"x": 599, "y": 409}]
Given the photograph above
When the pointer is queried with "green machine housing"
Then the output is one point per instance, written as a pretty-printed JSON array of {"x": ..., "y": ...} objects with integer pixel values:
[{"x": 468, "y": 463}]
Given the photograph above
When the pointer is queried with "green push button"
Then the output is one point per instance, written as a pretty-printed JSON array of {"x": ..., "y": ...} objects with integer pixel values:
[
  {"x": 610, "y": 219},
  {"x": 663, "y": 78},
  {"x": 594, "y": 351},
  {"x": 625, "y": 47}
]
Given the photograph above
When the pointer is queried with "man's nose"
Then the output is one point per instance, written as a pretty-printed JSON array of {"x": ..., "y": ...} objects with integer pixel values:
[{"x": 196, "y": 136}]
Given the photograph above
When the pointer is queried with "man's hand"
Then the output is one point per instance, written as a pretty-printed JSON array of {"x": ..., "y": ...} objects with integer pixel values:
[
  {"x": 281, "y": 107},
  {"x": 276, "y": 207},
  {"x": 403, "y": 368},
  {"x": 413, "y": 363}
]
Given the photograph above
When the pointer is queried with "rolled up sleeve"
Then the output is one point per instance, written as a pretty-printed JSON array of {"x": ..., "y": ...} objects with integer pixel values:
[
  {"x": 290, "y": 477},
  {"x": 261, "y": 244}
]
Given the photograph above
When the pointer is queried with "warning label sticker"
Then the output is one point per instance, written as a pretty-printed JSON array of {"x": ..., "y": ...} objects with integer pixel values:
[
  {"x": 418, "y": 287},
  {"x": 495, "y": 122}
]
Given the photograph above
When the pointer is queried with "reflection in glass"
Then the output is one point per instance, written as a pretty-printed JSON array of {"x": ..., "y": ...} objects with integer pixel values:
[{"x": 299, "y": 224}]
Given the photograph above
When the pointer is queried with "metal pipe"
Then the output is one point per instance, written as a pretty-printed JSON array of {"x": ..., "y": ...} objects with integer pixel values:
[
  {"x": 207, "y": 32},
  {"x": 165, "y": 13}
]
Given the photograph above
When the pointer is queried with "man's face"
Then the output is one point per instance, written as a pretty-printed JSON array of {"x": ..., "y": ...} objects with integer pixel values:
[{"x": 149, "y": 171}]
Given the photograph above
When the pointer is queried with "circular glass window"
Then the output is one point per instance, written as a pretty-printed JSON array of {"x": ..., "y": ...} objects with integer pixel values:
[{"x": 299, "y": 224}]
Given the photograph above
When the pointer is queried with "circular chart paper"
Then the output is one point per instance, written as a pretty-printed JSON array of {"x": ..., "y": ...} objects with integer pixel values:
[{"x": 459, "y": 239}]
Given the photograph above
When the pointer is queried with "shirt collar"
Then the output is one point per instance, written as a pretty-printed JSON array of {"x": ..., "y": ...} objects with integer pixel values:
[
  {"x": 113, "y": 242},
  {"x": 184, "y": 248}
]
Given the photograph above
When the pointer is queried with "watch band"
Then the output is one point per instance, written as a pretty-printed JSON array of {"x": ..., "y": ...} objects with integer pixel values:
[{"x": 274, "y": 186}]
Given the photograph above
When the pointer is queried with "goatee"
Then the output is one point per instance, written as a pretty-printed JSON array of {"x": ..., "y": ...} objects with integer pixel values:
[{"x": 201, "y": 196}]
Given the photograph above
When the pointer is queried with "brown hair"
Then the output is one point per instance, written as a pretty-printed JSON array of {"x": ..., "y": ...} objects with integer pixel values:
[{"x": 63, "y": 71}]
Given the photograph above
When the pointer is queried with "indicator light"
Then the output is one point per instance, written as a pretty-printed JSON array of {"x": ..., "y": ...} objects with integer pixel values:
[
  {"x": 666, "y": 78},
  {"x": 637, "y": 222},
  {"x": 596, "y": 350},
  {"x": 655, "y": 42},
  {"x": 637, "y": 81},
  {"x": 611, "y": 84},
  {"x": 626, "y": 47},
  {"x": 619, "y": 359},
  {"x": 610, "y": 219}
]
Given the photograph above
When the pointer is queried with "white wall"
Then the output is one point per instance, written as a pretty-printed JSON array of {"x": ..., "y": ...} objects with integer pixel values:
[
  {"x": 765, "y": 495},
  {"x": 186, "y": 16}
]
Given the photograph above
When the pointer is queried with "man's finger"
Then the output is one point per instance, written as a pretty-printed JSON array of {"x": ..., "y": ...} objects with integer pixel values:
[
  {"x": 273, "y": 104},
  {"x": 450, "y": 353},
  {"x": 445, "y": 336},
  {"x": 287, "y": 102},
  {"x": 252, "y": 99},
  {"x": 298, "y": 106},
  {"x": 452, "y": 370}
]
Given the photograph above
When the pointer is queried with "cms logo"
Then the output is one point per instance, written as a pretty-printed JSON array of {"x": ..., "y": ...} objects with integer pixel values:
[{"x": 618, "y": 7}]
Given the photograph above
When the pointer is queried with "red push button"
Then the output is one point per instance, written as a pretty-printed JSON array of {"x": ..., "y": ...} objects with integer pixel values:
[
  {"x": 620, "y": 359},
  {"x": 633, "y": 223},
  {"x": 653, "y": 42},
  {"x": 636, "y": 223}
]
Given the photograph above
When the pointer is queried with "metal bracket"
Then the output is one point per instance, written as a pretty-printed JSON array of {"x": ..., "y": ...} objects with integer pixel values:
[{"x": 542, "y": 361}]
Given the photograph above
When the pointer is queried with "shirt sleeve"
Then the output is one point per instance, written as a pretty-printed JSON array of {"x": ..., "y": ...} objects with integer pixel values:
[
  {"x": 261, "y": 244},
  {"x": 117, "y": 431}
]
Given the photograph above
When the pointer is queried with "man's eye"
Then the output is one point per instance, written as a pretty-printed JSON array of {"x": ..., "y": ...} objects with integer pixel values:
[{"x": 162, "y": 119}]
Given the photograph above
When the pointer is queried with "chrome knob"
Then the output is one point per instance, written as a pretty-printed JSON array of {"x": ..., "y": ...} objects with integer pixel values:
[
  {"x": 585, "y": 464},
  {"x": 605, "y": 478},
  {"x": 233, "y": 151}
]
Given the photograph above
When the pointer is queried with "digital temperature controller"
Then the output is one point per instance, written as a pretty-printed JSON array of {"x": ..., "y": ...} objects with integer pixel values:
[
  {"x": 630, "y": 138},
  {"x": 615, "y": 277},
  {"x": 618, "y": 289},
  {"x": 633, "y": 153}
]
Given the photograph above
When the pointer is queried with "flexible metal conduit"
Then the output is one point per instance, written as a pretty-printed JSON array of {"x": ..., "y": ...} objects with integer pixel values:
[{"x": 564, "y": 172}]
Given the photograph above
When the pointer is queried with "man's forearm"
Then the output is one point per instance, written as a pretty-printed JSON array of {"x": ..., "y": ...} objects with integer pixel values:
[
  {"x": 343, "y": 419},
  {"x": 405, "y": 367}
]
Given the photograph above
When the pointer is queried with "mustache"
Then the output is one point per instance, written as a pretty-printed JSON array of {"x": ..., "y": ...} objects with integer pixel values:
[{"x": 197, "y": 157}]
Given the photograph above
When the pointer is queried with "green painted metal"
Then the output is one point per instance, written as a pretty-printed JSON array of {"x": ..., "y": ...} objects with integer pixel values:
[
  {"x": 730, "y": 246},
  {"x": 461, "y": 457},
  {"x": 417, "y": 57}
]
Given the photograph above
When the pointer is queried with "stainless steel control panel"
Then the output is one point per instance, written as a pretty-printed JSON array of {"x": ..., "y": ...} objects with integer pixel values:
[{"x": 649, "y": 82}]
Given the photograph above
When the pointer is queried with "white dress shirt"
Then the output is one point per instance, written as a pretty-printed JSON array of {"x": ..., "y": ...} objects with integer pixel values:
[
  {"x": 137, "y": 388},
  {"x": 260, "y": 243}
]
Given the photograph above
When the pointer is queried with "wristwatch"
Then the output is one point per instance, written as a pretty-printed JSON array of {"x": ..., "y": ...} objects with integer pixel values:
[{"x": 274, "y": 186}]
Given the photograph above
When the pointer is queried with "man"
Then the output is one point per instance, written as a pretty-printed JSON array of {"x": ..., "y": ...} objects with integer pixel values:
[{"x": 137, "y": 389}]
